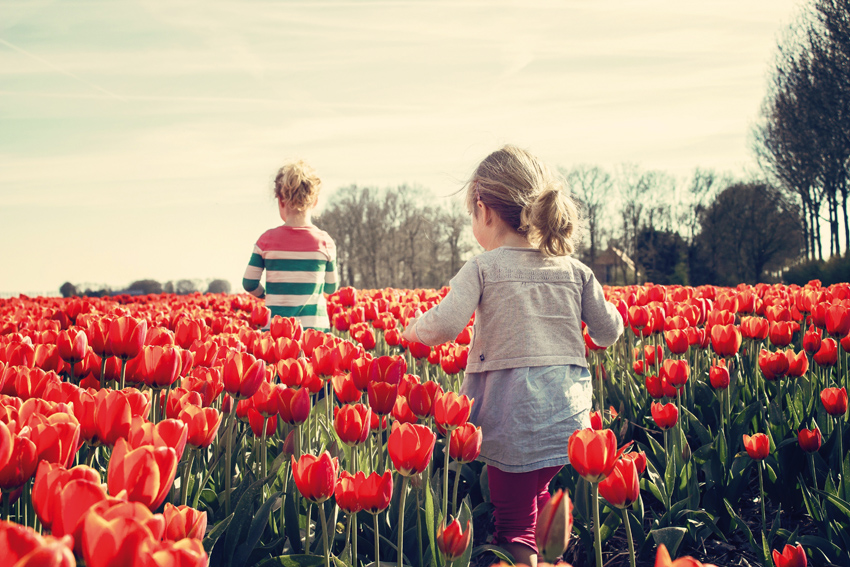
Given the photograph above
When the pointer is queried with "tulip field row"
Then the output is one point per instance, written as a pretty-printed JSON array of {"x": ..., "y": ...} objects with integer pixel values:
[{"x": 193, "y": 430}]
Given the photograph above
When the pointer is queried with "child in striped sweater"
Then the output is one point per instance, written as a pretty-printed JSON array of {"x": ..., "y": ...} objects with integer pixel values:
[{"x": 299, "y": 259}]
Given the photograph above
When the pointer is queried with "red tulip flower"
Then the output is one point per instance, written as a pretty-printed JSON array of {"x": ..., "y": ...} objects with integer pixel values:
[
  {"x": 345, "y": 389},
  {"x": 798, "y": 363},
  {"x": 242, "y": 375},
  {"x": 107, "y": 543},
  {"x": 662, "y": 559},
  {"x": 718, "y": 375},
  {"x": 827, "y": 354},
  {"x": 160, "y": 366},
  {"x": 202, "y": 423},
  {"x": 316, "y": 477},
  {"x": 757, "y": 446},
  {"x": 451, "y": 410},
  {"x": 345, "y": 491},
  {"x": 51, "y": 481},
  {"x": 665, "y": 415},
  {"x": 465, "y": 443},
  {"x": 593, "y": 454},
  {"x": 812, "y": 339},
  {"x": 791, "y": 556},
  {"x": 73, "y": 345},
  {"x": 113, "y": 416},
  {"x": 21, "y": 465},
  {"x": 677, "y": 341},
  {"x": 182, "y": 522},
  {"x": 725, "y": 340},
  {"x": 167, "y": 433},
  {"x": 375, "y": 492},
  {"x": 419, "y": 350},
  {"x": 755, "y": 328},
  {"x": 410, "y": 447},
  {"x": 188, "y": 552},
  {"x": 21, "y": 546},
  {"x": 126, "y": 337},
  {"x": 146, "y": 473},
  {"x": 622, "y": 487},
  {"x": 834, "y": 401},
  {"x": 452, "y": 540},
  {"x": 554, "y": 525},
  {"x": 382, "y": 396},
  {"x": 676, "y": 372},
  {"x": 421, "y": 398},
  {"x": 781, "y": 333},
  {"x": 293, "y": 405},
  {"x": 596, "y": 420},
  {"x": 773, "y": 365},
  {"x": 809, "y": 439}
]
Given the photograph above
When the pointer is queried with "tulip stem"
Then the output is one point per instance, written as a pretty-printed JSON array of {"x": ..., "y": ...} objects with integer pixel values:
[
  {"x": 814, "y": 471},
  {"x": 446, "y": 476},
  {"x": 454, "y": 493},
  {"x": 353, "y": 521},
  {"x": 629, "y": 536},
  {"x": 839, "y": 431},
  {"x": 381, "y": 463},
  {"x": 325, "y": 535},
  {"x": 400, "y": 560},
  {"x": 103, "y": 372},
  {"x": 263, "y": 454},
  {"x": 7, "y": 505},
  {"x": 307, "y": 528},
  {"x": 761, "y": 499},
  {"x": 597, "y": 535},
  {"x": 123, "y": 372},
  {"x": 187, "y": 472},
  {"x": 377, "y": 542},
  {"x": 419, "y": 524},
  {"x": 228, "y": 455}
]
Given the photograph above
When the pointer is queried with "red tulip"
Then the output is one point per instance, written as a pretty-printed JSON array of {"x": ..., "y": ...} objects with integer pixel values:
[
  {"x": 167, "y": 433},
  {"x": 791, "y": 556},
  {"x": 725, "y": 339},
  {"x": 718, "y": 375},
  {"x": 187, "y": 552},
  {"x": 293, "y": 405},
  {"x": 315, "y": 477},
  {"x": 781, "y": 333},
  {"x": 639, "y": 457},
  {"x": 107, "y": 543},
  {"x": 451, "y": 410},
  {"x": 21, "y": 546},
  {"x": 422, "y": 396},
  {"x": 827, "y": 355},
  {"x": 345, "y": 389},
  {"x": 593, "y": 454},
  {"x": 51, "y": 480},
  {"x": 410, "y": 447},
  {"x": 452, "y": 540},
  {"x": 126, "y": 337},
  {"x": 677, "y": 341},
  {"x": 662, "y": 559},
  {"x": 622, "y": 487},
  {"x": 419, "y": 350},
  {"x": 676, "y": 372},
  {"x": 554, "y": 525},
  {"x": 834, "y": 401},
  {"x": 812, "y": 339},
  {"x": 382, "y": 397},
  {"x": 665, "y": 415},
  {"x": 73, "y": 345},
  {"x": 465, "y": 443},
  {"x": 773, "y": 365},
  {"x": 809, "y": 439},
  {"x": 160, "y": 366},
  {"x": 202, "y": 424},
  {"x": 21, "y": 465},
  {"x": 256, "y": 421},
  {"x": 182, "y": 522},
  {"x": 242, "y": 375},
  {"x": 798, "y": 363},
  {"x": 757, "y": 446},
  {"x": 113, "y": 416},
  {"x": 146, "y": 473},
  {"x": 596, "y": 420},
  {"x": 755, "y": 328}
]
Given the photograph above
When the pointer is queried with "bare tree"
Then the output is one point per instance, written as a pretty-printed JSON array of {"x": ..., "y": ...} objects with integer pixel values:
[{"x": 591, "y": 186}]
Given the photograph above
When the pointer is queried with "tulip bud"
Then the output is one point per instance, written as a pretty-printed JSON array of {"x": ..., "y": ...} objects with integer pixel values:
[
  {"x": 453, "y": 541},
  {"x": 554, "y": 524}
]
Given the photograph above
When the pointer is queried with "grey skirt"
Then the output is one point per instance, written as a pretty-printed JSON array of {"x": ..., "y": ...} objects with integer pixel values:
[{"x": 527, "y": 414}]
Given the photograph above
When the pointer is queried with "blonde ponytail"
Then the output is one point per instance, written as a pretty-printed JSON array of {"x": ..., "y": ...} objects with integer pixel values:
[{"x": 552, "y": 220}]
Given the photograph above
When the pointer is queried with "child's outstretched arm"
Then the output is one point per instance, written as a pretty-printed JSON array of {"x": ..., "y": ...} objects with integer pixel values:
[
  {"x": 446, "y": 320},
  {"x": 251, "y": 279},
  {"x": 604, "y": 323}
]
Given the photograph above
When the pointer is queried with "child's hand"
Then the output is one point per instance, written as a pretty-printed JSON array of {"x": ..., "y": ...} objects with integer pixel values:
[{"x": 409, "y": 333}]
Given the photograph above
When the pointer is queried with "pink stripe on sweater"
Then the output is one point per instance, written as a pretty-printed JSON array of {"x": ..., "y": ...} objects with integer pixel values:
[{"x": 294, "y": 239}]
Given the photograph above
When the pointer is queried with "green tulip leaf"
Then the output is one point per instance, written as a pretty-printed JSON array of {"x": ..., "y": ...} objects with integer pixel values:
[
  {"x": 499, "y": 552},
  {"x": 737, "y": 522},
  {"x": 465, "y": 516},
  {"x": 214, "y": 534},
  {"x": 255, "y": 532},
  {"x": 671, "y": 537},
  {"x": 291, "y": 519}
]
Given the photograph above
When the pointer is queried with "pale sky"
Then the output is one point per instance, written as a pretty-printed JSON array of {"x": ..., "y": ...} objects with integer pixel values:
[{"x": 138, "y": 139}]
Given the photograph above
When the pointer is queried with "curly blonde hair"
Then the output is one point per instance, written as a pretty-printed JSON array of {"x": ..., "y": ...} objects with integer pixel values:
[
  {"x": 297, "y": 185},
  {"x": 528, "y": 197}
]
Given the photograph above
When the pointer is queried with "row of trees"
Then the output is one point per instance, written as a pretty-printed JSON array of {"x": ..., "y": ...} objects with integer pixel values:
[
  {"x": 803, "y": 139},
  {"x": 144, "y": 287}
]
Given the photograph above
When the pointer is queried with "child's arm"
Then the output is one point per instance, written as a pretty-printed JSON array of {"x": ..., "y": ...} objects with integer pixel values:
[
  {"x": 604, "y": 323},
  {"x": 251, "y": 279},
  {"x": 443, "y": 322},
  {"x": 331, "y": 275}
]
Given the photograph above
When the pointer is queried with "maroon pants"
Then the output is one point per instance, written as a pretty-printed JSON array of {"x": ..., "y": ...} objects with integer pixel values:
[{"x": 518, "y": 497}]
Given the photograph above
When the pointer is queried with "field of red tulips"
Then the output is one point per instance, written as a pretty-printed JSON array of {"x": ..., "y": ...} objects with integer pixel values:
[{"x": 190, "y": 430}]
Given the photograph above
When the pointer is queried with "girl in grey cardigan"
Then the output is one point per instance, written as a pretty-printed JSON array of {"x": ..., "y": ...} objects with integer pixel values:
[{"x": 526, "y": 371}]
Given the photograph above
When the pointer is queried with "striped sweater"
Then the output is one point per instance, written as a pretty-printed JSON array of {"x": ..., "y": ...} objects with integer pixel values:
[{"x": 300, "y": 265}]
